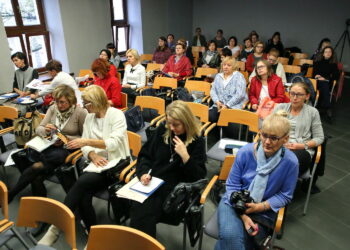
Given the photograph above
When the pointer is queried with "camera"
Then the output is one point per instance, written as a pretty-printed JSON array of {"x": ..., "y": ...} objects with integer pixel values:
[{"x": 239, "y": 199}]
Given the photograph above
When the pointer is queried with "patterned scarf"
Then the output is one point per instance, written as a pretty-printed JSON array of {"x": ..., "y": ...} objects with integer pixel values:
[
  {"x": 62, "y": 117},
  {"x": 211, "y": 53}
]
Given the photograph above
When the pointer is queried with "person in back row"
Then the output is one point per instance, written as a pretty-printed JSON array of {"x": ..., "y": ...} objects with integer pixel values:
[
  {"x": 255, "y": 57},
  {"x": 105, "y": 54},
  {"x": 115, "y": 58},
  {"x": 210, "y": 58},
  {"x": 162, "y": 52},
  {"x": 199, "y": 39},
  {"x": 220, "y": 39}
]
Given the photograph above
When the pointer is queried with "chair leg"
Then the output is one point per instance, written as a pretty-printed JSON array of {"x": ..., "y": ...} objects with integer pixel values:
[
  {"x": 309, "y": 189},
  {"x": 18, "y": 235},
  {"x": 184, "y": 236}
]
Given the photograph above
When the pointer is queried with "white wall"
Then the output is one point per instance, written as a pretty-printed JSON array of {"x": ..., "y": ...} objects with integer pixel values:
[
  {"x": 301, "y": 23},
  {"x": 6, "y": 66}
]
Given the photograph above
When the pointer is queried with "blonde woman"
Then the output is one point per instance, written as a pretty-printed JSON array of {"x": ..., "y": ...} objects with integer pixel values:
[
  {"x": 174, "y": 153},
  {"x": 104, "y": 139}
]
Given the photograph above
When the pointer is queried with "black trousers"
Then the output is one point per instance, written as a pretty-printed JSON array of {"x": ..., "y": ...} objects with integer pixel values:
[
  {"x": 81, "y": 194},
  {"x": 304, "y": 159},
  {"x": 145, "y": 216},
  {"x": 51, "y": 158},
  {"x": 324, "y": 99},
  {"x": 131, "y": 94}
]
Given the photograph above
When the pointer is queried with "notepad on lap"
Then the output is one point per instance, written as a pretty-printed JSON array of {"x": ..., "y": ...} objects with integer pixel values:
[
  {"x": 152, "y": 186},
  {"x": 40, "y": 144},
  {"x": 95, "y": 169}
]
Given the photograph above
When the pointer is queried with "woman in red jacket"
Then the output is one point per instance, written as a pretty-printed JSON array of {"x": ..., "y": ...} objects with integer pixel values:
[
  {"x": 253, "y": 58},
  {"x": 178, "y": 66},
  {"x": 109, "y": 83},
  {"x": 266, "y": 84}
]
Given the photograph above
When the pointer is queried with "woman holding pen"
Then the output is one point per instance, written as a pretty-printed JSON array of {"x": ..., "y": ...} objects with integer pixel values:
[{"x": 175, "y": 153}]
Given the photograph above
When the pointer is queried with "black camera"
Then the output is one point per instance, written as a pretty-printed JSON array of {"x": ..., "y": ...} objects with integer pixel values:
[{"x": 239, "y": 199}]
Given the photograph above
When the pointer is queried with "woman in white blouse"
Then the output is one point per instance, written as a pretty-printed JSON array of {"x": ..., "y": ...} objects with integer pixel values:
[
  {"x": 134, "y": 75},
  {"x": 233, "y": 46}
]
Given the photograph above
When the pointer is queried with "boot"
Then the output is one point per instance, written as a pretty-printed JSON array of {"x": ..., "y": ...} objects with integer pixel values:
[{"x": 50, "y": 237}]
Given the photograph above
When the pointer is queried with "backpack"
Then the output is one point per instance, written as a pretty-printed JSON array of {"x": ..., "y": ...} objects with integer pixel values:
[
  {"x": 182, "y": 94},
  {"x": 24, "y": 128},
  {"x": 134, "y": 119}
]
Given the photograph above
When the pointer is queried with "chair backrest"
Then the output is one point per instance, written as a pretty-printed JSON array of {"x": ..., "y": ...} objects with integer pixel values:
[
  {"x": 239, "y": 116},
  {"x": 226, "y": 167},
  {"x": 283, "y": 60},
  {"x": 119, "y": 76},
  {"x": 84, "y": 72},
  {"x": 146, "y": 57},
  {"x": 205, "y": 71},
  {"x": 4, "y": 200},
  {"x": 135, "y": 143},
  {"x": 199, "y": 110},
  {"x": 246, "y": 76},
  {"x": 192, "y": 85},
  {"x": 240, "y": 65},
  {"x": 292, "y": 69},
  {"x": 7, "y": 112},
  {"x": 300, "y": 55},
  {"x": 120, "y": 237},
  {"x": 40, "y": 209},
  {"x": 153, "y": 66},
  {"x": 198, "y": 49},
  {"x": 314, "y": 83},
  {"x": 302, "y": 61},
  {"x": 151, "y": 102},
  {"x": 164, "y": 82},
  {"x": 124, "y": 100}
]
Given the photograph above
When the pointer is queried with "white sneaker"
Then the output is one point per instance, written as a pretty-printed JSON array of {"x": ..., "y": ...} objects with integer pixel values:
[{"x": 50, "y": 237}]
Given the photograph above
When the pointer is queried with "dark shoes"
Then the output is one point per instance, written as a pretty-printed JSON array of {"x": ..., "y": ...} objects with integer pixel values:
[
  {"x": 305, "y": 187},
  {"x": 40, "y": 229}
]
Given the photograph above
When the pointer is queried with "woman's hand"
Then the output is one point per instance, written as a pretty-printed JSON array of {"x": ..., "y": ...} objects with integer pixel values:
[
  {"x": 77, "y": 143},
  {"x": 50, "y": 127},
  {"x": 180, "y": 149},
  {"x": 248, "y": 223},
  {"x": 218, "y": 105},
  {"x": 58, "y": 143},
  {"x": 205, "y": 66},
  {"x": 294, "y": 146},
  {"x": 161, "y": 67},
  {"x": 126, "y": 85},
  {"x": 255, "y": 106},
  {"x": 254, "y": 208},
  {"x": 34, "y": 96},
  {"x": 145, "y": 179},
  {"x": 319, "y": 77},
  {"x": 98, "y": 160}
]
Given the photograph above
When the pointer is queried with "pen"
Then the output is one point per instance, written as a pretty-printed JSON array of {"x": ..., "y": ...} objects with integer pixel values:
[{"x": 149, "y": 172}]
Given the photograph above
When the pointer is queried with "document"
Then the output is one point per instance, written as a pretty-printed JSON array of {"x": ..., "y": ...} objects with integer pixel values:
[
  {"x": 8, "y": 96},
  {"x": 224, "y": 142},
  {"x": 9, "y": 161},
  {"x": 37, "y": 84},
  {"x": 95, "y": 169},
  {"x": 40, "y": 144},
  {"x": 152, "y": 186}
]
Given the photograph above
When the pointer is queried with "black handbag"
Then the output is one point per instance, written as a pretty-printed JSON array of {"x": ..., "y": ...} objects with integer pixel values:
[
  {"x": 134, "y": 119},
  {"x": 113, "y": 173}
]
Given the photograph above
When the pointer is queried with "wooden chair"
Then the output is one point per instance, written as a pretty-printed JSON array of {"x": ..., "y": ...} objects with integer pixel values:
[
  {"x": 203, "y": 86},
  {"x": 314, "y": 84},
  {"x": 302, "y": 61},
  {"x": 292, "y": 69},
  {"x": 153, "y": 66},
  {"x": 40, "y": 209},
  {"x": 146, "y": 57},
  {"x": 7, "y": 229},
  {"x": 300, "y": 55},
  {"x": 283, "y": 60},
  {"x": 246, "y": 76},
  {"x": 164, "y": 82},
  {"x": 120, "y": 238},
  {"x": 198, "y": 49},
  {"x": 205, "y": 72},
  {"x": 241, "y": 65},
  {"x": 84, "y": 72},
  {"x": 124, "y": 106}
]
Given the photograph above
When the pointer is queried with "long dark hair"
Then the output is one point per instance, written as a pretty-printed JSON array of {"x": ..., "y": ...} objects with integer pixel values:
[
  {"x": 333, "y": 58},
  {"x": 165, "y": 44}
]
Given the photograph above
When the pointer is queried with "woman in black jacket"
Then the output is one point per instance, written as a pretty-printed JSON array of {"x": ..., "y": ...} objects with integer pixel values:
[{"x": 175, "y": 153}]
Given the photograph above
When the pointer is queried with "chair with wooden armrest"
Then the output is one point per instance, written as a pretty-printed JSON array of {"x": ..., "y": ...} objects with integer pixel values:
[
  {"x": 283, "y": 60},
  {"x": 120, "y": 237},
  {"x": 40, "y": 209},
  {"x": 205, "y": 72},
  {"x": 7, "y": 229},
  {"x": 164, "y": 82},
  {"x": 299, "y": 55},
  {"x": 301, "y": 61},
  {"x": 146, "y": 57},
  {"x": 334, "y": 83},
  {"x": 293, "y": 69},
  {"x": 201, "y": 86},
  {"x": 314, "y": 84},
  {"x": 241, "y": 66},
  {"x": 153, "y": 66},
  {"x": 84, "y": 72},
  {"x": 124, "y": 106},
  {"x": 246, "y": 76}
]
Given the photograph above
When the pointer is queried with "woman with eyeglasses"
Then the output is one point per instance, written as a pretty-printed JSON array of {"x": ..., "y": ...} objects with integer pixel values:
[
  {"x": 105, "y": 54},
  {"x": 269, "y": 171},
  {"x": 63, "y": 116},
  {"x": 109, "y": 83},
  {"x": 104, "y": 139},
  {"x": 266, "y": 83},
  {"x": 134, "y": 75},
  {"x": 306, "y": 131},
  {"x": 253, "y": 58}
]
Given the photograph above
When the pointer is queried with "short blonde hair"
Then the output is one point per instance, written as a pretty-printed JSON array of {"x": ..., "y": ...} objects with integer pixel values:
[
  {"x": 276, "y": 124},
  {"x": 134, "y": 53},
  {"x": 232, "y": 61},
  {"x": 179, "y": 110},
  {"x": 96, "y": 96},
  {"x": 66, "y": 91}
]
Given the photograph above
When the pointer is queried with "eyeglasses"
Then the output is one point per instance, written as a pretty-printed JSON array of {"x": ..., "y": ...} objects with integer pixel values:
[
  {"x": 85, "y": 104},
  {"x": 271, "y": 60},
  {"x": 61, "y": 102},
  {"x": 298, "y": 95},
  {"x": 272, "y": 138}
]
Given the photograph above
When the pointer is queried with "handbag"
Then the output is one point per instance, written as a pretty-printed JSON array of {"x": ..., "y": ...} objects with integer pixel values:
[
  {"x": 265, "y": 108},
  {"x": 24, "y": 128},
  {"x": 113, "y": 173},
  {"x": 134, "y": 119}
]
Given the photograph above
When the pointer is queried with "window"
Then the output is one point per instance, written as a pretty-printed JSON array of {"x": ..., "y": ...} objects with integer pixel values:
[
  {"x": 120, "y": 26},
  {"x": 26, "y": 30}
]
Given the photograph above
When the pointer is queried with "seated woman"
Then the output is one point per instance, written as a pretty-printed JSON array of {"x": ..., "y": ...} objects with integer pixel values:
[
  {"x": 174, "y": 153},
  {"x": 105, "y": 54},
  {"x": 178, "y": 66},
  {"x": 228, "y": 89},
  {"x": 104, "y": 139},
  {"x": 266, "y": 84},
  {"x": 248, "y": 49},
  {"x": 64, "y": 115},
  {"x": 199, "y": 39},
  {"x": 255, "y": 57},
  {"x": 318, "y": 52},
  {"x": 109, "y": 83},
  {"x": 233, "y": 46},
  {"x": 269, "y": 171},
  {"x": 254, "y": 37},
  {"x": 210, "y": 58},
  {"x": 134, "y": 74},
  {"x": 162, "y": 52},
  {"x": 188, "y": 52},
  {"x": 115, "y": 58},
  {"x": 325, "y": 72},
  {"x": 275, "y": 43},
  {"x": 220, "y": 39},
  {"x": 277, "y": 67},
  {"x": 306, "y": 128}
]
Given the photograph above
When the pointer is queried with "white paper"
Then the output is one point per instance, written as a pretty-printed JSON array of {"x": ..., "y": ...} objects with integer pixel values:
[
  {"x": 37, "y": 84},
  {"x": 126, "y": 193},
  {"x": 151, "y": 187},
  {"x": 40, "y": 144},
  {"x": 224, "y": 142},
  {"x": 95, "y": 169},
  {"x": 9, "y": 161}
]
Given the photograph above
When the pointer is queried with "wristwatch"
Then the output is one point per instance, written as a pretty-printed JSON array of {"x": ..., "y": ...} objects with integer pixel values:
[{"x": 306, "y": 147}]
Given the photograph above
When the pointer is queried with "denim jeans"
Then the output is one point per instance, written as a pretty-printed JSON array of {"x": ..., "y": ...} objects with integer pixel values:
[{"x": 232, "y": 234}]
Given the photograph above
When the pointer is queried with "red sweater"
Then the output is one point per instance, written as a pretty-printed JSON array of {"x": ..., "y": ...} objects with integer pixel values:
[
  {"x": 112, "y": 70},
  {"x": 183, "y": 67},
  {"x": 250, "y": 63},
  {"x": 275, "y": 87},
  {"x": 112, "y": 87}
]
